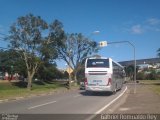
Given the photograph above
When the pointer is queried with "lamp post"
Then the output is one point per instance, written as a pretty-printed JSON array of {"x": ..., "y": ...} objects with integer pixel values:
[{"x": 134, "y": 52}]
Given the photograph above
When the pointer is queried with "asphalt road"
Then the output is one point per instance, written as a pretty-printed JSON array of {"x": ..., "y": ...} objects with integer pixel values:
[{"x": 73, "y": 102}]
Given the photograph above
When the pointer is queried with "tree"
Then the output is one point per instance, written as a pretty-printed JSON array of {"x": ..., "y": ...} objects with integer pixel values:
[
  {"x": 130, "y": 71},
  {"x": 26, "y": 36},
  {"x": 72, "y": 48},
  {"x": 49, "y": 71},
  {"x": 10, "y": 62},
  {"x": 158, "y": 52}
]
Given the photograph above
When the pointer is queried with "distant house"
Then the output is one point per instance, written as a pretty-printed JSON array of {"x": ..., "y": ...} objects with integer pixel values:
[
  {"x": 144, "y": 66},
  {"x": 150, "y": 61}
]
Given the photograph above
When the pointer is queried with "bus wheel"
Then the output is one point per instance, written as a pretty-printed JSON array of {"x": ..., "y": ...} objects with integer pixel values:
[
  {"x": 115, "y": 90},
  {"x": 121, "y": 86}
]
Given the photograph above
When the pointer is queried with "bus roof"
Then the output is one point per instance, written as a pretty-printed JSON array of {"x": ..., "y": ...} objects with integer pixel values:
[{"x": 99, "y": 57}]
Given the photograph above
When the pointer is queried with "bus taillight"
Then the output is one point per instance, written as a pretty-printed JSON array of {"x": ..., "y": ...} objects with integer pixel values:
[
  {"x": 85, "y": 81},
  {"x": 109, "y": 81}
]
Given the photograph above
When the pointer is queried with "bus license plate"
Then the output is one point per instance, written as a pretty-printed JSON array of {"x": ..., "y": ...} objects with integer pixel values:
[{"x": 97, "y": 81}]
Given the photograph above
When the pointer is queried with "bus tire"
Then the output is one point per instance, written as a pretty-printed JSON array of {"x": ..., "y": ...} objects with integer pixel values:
[{"x": 115, "y": 90}]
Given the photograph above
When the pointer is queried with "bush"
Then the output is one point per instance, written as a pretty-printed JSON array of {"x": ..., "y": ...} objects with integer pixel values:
[
  {"x": 153, "y": 75},
  {"x": 141, "y": 76}
]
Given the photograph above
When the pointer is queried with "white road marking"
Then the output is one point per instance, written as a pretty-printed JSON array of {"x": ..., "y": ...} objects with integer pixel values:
[
  {"x": 99, "y": 111},
  {"x": 77, "y": 96},
  {"x": 41, "y": 105}
]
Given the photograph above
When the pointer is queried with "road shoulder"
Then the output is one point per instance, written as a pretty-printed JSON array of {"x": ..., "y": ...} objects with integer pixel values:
[{"x": 144, "y": 101}]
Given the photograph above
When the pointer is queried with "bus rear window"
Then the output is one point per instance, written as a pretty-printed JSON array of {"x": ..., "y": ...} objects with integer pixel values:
[{"x": 98, "y": 63}]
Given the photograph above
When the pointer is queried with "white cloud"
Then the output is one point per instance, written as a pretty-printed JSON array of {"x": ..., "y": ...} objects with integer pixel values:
[
  {"x": 137, "y": 29},
  {"x": 146, "y": 26},
  {"x": 153, "y": 21}
]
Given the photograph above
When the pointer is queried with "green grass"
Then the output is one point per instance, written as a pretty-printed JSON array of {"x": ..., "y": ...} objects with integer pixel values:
[
  {"x": 12, "y": 90},
  {"x": 156, "y": 89},
  {"x": 149, "y": 81},
  {"x": 153, "y": 84}
]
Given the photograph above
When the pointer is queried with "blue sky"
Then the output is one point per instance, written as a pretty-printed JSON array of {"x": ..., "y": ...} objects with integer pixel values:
[{"x": 137, "y": 21}]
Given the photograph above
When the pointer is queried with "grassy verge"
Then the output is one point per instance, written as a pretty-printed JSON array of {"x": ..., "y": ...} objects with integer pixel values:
[
  {"x": 10, "y": 90},
  {"x": 153, "y": 84},
  {"x": 156, "y": 89}
]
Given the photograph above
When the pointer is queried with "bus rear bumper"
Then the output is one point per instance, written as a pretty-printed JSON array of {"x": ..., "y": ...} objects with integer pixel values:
[{"x": 99, "y": 88}]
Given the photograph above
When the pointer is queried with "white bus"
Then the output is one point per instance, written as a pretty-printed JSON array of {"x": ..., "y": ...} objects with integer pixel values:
[{"x": 103, "y": 74}]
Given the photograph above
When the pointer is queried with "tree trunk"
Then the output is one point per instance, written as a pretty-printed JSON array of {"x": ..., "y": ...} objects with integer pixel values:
[
  {"x": 75, "y": 78},
  {"x": 30, "y": 77},
  {"x": 69, "y": 81},
  {"x": 29, "y": 85}
]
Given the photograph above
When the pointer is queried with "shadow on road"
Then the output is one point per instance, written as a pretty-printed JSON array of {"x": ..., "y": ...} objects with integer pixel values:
[
  {"x": 89, "y": 93},
  {"x": 20, "y": 84},
  {"x": 156, "y": 84},
  {"x": 150, "y": 84},
  {"x": 23, "y": 84}
]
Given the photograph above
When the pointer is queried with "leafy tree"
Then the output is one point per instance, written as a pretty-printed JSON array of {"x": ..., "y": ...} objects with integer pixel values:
[
  {"x": 81, "y": 74},
  {"x": 27, "y": 38},
  {"x": 5, "y": 61},
  {"x": 78, "y": 47},
  {"x": 158, "y": 52},
  {"x": 10, "y": 62},
  {"x": 72, "y": 48},
  {"x": 130, "y": 71},
  {"x": 49, "y": 71}
]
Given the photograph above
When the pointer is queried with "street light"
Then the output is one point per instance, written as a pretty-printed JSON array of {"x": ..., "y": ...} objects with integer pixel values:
[{"x": 134, "y": 52}]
